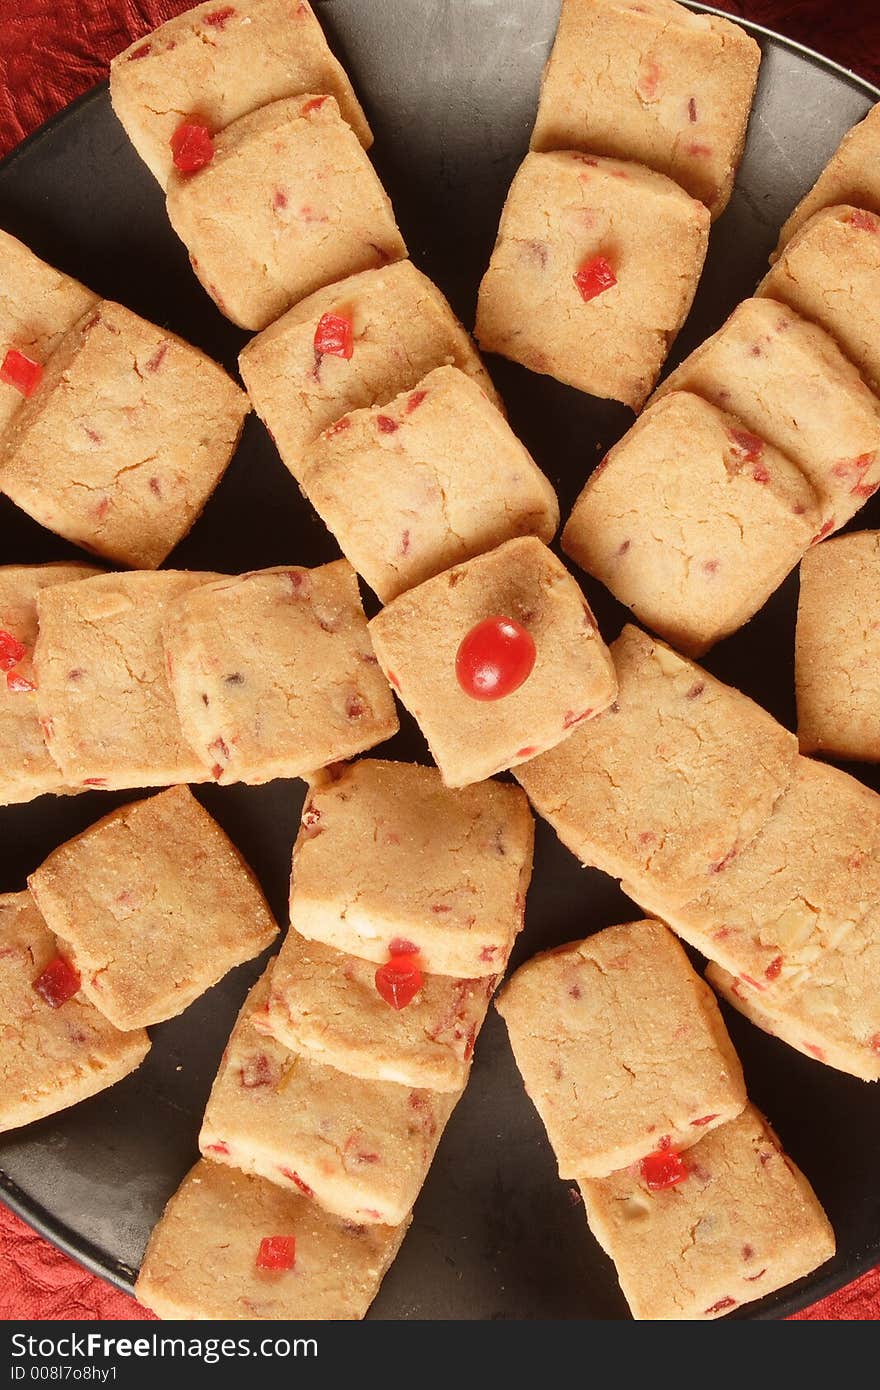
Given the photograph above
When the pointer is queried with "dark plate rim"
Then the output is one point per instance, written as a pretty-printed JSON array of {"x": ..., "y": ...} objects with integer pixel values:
[{"x": 91, "y": 1256}]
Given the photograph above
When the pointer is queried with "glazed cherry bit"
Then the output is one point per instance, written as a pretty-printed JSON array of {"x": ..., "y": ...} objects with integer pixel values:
[
  {"x": 11, "y": 651},
  {"x": 58, "y": 982},
  {"x": 21, "y": 372},
  {"x": 334, "y": 336},
  {"x": 495, "y": 658},
  {"x": 277, "y": 1252},
  {"x": 662, "y": 1169},
  {"x": 18, "y": 684},
  {"x": 399, "y": 980},
  {"x": 594, "y": 278},
  {"x": 192, "y": 147}
]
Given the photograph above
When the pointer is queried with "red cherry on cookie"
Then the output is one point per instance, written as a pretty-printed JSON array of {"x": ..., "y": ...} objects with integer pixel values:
[
  {"x": 495, "y": 658},
  {"x": 663, "y": 1169},
  {"x": 11, "y": 651},
  {"x": 58, "y": 982},
  {"x": 277, "y": 1252},
  {"x": 21, "y": 372},
  {"x": 192, "y": 147},
  {"x": 399, "y": 980},
  {"x": 334, "y": 336},
  {"x": 594, "y": 278}
]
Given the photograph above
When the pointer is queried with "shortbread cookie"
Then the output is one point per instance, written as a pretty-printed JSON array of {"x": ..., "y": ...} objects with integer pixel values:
[
  {"x": 655, "y": 83},
  {"x": 103, "y": 695},
  {"x": 388, "y": 860},
  {"x": 274, "y": 675},
  {"x": 593, "y": 273},
  {"x": 796, "y": 893},
  {"x": 288, "y": 203},
  {"x": 217, "y": 62},
  {"x": 666, "y": 787},
  {"x": 852, "y": 175},
  {"x": 692, "y": 521},
  {"x": 326, "y": 1005},
  {"x": 837, "y": 648},
  {"x": 234, "y": 1247},
  {"x": 55, "y": 1048},
  {"x": 742, "y": 1222},
  {"x": 26, "y": 769},
  {"x": 355, "y": 344},
  {"x": 156, "y": 905},
  {"x": 431, "y": 479},
  {"x": 423, "y": 637},
  {"x": 830, "y": 273},
  {"x": 125, "y": 439},
  {"x": 789, "y": 383},
  {"x": 37, "y": 306},
  {"x": 362, "y": 1149},
  {"x": 621, "y": 1048}
]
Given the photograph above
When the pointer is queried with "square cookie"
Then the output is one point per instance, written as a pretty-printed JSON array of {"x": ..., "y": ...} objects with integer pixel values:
[
  {"x": 26, "y": 769},
  {"x": 103, "y": 697},
  {"x": 362, "y": 1149},
  {"x": 655, "y": 83},
  {"x": 273, "y": 673},
  {"x": 852, "y": 175},
  {"x": 621, "y": 1047},
  {"x": 326, "y": 1005},
  {"x": 124, "y": 440},
  {"x": 156, "y": 905},
  {"x": 358, "y": 343},
  {"x": 288, "y": 203},
  {"x": 743, "y": 1222},
  {"x": 799, "y": 890},
  {"x": 667, "y": 786},
  {"x": 387, "y": 857},
  {"x": 837, "y": 648},
  {"x": 789, "y": 383},
  {"x": 218, "y": 62},
  {"x": 209, "y": 1258},
  {"x": 55, "y": 1047},
  {"x": 593, "y": 273},
  {"x": 37, "y": 306},
  {"x": 420, "y": 640},
  {"x": 431, "y": 479},
  {"x": 692, "y": 521}
]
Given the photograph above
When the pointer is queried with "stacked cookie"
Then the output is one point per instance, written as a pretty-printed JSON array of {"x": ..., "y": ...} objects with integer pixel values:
[
  {"x": 625, "y": 1056},
  {"x": 765, "y": 861},
  {"x": 122, "y": 928},
  {"x": 640, "y": 129},
  {"x": 765, "y": 439},
  {"x": 351, "y": 1052}
]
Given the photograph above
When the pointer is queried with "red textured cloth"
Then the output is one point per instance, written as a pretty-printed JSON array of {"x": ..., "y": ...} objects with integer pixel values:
[{"x": 50, "y": 51}]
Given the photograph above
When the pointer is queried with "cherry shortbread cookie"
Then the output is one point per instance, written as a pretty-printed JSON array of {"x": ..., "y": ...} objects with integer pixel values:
[
  {"x": 287, "y": 204},
  {"x": 233, "y": 1246},
  {"x": 434, "y": 477},
  {"x": 729, "y": 1222},
  {"x": 497, "y": 659},
  {"x": 390, "y": 862},
  {"x": 217, "y": 62},
  {"x": 692, "y": 521},
  {"x": 26, "y": 770},
  {"x": 55, "y": 1047},
  {"x": 361, "y": 1148},
  {"x": 852, "y": 175},
  {"x": 274, "y": 675},
  {"x": 575, "y": 287},
  {"x": 621, "y": 1047},
  {"x": 658, "y": 791},
  {"x": 652, "y": 82},
  {"x": 155, "y": 904}
]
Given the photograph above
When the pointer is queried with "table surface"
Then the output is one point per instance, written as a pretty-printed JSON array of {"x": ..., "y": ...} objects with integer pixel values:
[{"x": 50, "y": 52}]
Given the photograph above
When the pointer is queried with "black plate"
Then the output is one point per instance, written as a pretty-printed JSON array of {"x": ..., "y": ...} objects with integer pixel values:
[{"x": 451, "y": 88}]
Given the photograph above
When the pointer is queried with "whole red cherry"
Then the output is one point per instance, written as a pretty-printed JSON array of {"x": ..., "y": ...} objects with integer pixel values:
[{"x": 495, "y": 658}]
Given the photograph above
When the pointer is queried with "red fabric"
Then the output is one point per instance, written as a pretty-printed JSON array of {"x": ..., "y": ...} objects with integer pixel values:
[{"x": 50, "y": 51}]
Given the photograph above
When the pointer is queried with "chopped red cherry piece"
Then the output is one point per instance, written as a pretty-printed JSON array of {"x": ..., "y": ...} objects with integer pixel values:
[
  {"x": 594, "y": 278},
  {"x": 399, "y": 980},
  {"x": 21, "y": 372},
  {"x": 495, "y": 658},
  {"x": 18, "y": 684},
  {"x": 749, "y": 445},
  {"x": 334, "y": 335},
  {"x": 58, "y": 982},
  {"x": 277, "y": 1252},
  {"x": 663, "y": 1169},
  {"x": 192, "y": 147},
  {"x": 11, "y": 651}
]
